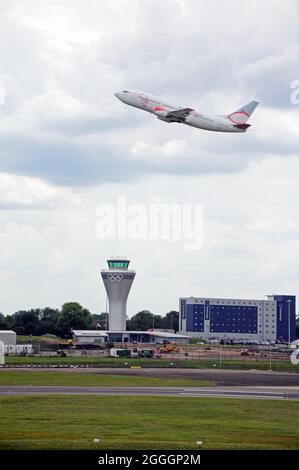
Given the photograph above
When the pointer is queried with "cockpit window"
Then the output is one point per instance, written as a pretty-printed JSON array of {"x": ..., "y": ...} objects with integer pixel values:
[{"x": 125, "y": 91}]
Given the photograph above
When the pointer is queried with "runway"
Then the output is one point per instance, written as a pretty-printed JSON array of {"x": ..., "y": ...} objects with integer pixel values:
[{"x": 260, "y": 393}]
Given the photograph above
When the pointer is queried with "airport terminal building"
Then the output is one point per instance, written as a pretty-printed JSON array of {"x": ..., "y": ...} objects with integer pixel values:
[
  {"x": 273, "y": 319},
  {"x": 92, "y": 337}
]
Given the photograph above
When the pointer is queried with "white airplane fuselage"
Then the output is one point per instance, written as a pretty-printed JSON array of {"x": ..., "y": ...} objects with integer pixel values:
[{"x": 165, "y": 111}]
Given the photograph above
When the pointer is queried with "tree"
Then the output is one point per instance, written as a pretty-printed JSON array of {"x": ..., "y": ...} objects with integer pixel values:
[
  {"x": 3, "y": 322},
  {"x": 141, "y": 321},
  {"x": 25, "y": 322},
  {"x": 73, "y": 316},
  {"x": 146, "y": 320},
  {"x": 48, "y": 318},
  {"x": 9, "y": 321},
  {"x": 171, "y": 320},
  {"x": 49, "y": 314},
  {"x": 99, "y": 320}
]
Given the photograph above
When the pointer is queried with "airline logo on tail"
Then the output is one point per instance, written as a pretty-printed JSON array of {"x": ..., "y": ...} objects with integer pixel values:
[{"x": 240, "y": 117}]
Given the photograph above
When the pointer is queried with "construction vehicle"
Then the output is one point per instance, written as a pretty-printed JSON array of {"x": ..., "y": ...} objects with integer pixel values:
[
  {"x": 168, "y": 348},
  {"x": 247, "y": 352}
]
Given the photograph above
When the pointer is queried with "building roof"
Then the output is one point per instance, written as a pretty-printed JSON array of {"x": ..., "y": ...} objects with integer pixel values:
[
  {"x": 166, "y": 334},
  {"x": 228, "y": 299},
  {"x": 160, "y": 334},
  {"x": 89, "y": 332},
  {"x": 8, "y": 331}
]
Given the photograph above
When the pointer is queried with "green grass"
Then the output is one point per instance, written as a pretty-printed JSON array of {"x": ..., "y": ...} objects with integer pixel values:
[
  {"x": 72, "y": 422},
  {"x": 26, "y": 339},
  {"x": 92, "y": 379},
  {"x": 285, "y": 366}
]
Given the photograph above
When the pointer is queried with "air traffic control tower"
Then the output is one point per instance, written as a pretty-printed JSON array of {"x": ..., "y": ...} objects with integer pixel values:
[{"x": 117, "y": 281}]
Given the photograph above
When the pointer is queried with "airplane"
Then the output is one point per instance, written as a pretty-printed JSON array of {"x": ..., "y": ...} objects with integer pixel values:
[{"x": 233, "y": 122}]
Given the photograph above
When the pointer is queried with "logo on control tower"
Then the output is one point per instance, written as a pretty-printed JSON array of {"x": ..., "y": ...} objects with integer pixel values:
[{"x": 115, "y": 277}]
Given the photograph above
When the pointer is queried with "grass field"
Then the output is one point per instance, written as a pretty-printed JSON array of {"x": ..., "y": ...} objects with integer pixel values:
[
  {"x": 72, "y": 422},
  {"x": 49, "y": 339},
  {"x": 124, "y": 362},
  {"x": 91, "y": 380}
]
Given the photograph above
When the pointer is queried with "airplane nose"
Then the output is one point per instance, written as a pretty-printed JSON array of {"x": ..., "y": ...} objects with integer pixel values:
[{"x": 117, "y": 94}]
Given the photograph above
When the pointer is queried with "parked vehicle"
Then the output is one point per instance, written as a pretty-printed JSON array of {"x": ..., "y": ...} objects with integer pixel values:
[
  {"x": 61, "y": 353},
  {"x": 120, "y": 352},
  {"x": 146, "y": 353}
]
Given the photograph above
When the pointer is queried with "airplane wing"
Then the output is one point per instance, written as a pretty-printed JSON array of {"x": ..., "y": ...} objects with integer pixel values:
[{"x": 179, "y": 115}]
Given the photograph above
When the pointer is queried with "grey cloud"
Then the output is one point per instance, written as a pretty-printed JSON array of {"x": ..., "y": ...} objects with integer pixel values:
[
  {"x": 164, "y": 51},
  {"x": 63, "y": 164},
  {"x": 81, "y": 163},
  {"x": 71, "y": 165},
  {"x": 208, "y": 53}
]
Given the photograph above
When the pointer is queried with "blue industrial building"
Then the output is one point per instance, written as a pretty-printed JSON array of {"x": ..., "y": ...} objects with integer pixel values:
[{"x": 273, "y": 319}]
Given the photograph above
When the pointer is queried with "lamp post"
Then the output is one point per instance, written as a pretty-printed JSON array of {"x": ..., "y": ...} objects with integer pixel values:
[
  {"x": 289, "y": 320},
  {"x": 220, "y": 356}
]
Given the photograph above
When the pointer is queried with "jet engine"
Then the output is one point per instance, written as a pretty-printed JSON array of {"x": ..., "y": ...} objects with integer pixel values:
[
  {"x": 162, "y": 114},
  {"x": 164, "y": 118}
]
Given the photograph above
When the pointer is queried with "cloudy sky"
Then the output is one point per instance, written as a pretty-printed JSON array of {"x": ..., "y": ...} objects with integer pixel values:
[{"x": 68, "y": 147}]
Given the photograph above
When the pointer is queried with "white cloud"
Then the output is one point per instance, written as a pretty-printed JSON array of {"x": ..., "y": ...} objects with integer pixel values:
[
  {"x": 61, "y": 128},
  {"x": 24, "y": 192}
]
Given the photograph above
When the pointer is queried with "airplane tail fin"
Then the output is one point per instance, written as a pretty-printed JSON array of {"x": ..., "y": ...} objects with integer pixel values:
[{"x": 241, "y": 116}]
